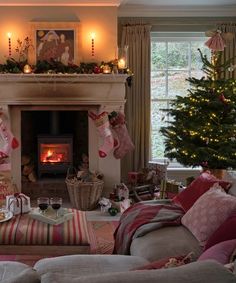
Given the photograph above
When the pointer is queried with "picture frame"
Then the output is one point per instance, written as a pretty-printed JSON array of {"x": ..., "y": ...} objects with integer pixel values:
[{"x": 55, "y": 40}]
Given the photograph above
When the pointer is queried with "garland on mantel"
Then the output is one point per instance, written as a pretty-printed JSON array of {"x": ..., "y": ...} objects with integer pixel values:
[{"x": 54, "y": 67}]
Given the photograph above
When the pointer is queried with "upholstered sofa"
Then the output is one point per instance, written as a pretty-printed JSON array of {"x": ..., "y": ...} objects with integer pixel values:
[
  {"x": 110, "y": 268},
  {"x": 151, "y": 247}
]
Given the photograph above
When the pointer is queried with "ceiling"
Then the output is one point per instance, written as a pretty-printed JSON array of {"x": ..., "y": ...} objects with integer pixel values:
[{"x": 144, "y": 8}]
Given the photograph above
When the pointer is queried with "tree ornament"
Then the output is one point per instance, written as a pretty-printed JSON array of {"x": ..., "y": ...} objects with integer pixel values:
[
  {"x": 222, "y": 98},
  {"x": 216, "y": 42}
]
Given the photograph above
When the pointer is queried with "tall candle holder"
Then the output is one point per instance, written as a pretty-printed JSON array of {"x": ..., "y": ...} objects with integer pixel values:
[
  {"x": 92, "y": 44},
  {"x": 122, "y": 58},
  {"x": 9, "y": 43}
]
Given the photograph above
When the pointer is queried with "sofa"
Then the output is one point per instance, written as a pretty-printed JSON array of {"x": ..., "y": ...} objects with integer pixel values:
[{"x": 145, "y": 251}]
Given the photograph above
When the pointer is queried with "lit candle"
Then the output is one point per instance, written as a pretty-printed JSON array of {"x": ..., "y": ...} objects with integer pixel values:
[
  {"x": 106, "y": 69},
  {"x": 121, "y": 63},
  {"x": 92, "y": 42},
  {"x": 27, "y": 69},
  {"x": 9, "y": 43}
]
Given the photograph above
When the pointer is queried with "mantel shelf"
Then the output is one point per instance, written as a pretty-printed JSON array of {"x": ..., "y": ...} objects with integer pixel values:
[{"x": 63, "y": 78}]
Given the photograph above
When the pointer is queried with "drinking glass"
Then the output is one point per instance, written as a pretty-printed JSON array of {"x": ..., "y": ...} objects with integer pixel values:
[
  {"x": 43, "y": 204},
  {"x": 56, "y": 204}
]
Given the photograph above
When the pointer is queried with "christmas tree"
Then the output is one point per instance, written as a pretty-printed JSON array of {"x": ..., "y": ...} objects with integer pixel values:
[{"x": 203, "y": 130}]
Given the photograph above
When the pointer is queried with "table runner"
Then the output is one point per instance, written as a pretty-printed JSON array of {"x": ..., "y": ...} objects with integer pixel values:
[{"x": 23, "y": 230}]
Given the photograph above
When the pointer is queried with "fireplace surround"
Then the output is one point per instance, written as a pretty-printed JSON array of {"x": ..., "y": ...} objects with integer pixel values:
[{"x": 80, "y": 92}]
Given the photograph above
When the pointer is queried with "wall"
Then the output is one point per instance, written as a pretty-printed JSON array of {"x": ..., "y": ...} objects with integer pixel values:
[{"x": 101, "y": 20}]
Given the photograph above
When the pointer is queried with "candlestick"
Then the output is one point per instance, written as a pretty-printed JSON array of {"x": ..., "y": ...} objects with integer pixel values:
[
  {"x": 121, "y": 63},
  {"x": 9, "y": 43},
  {"x": 92, "y": 43}
]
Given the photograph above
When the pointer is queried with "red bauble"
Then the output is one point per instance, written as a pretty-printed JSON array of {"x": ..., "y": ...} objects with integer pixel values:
[
  {"x": 97, "y": 70},
  {"x": 222, "y": 98}
]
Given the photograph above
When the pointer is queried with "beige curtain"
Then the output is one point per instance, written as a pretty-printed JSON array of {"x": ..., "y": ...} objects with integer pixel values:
[
  {"x": 137, "y": 110},
  {"x": 230, "y": 49}
]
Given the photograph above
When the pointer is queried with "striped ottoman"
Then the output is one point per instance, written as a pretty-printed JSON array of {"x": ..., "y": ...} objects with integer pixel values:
[{"x": 24, "y": 235}]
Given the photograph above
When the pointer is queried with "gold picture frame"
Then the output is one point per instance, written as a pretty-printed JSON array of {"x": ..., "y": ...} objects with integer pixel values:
[{"x": 55, "y": 40}]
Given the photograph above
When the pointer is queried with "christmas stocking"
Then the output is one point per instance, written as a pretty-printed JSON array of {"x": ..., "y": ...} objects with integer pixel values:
[
  {"x": 117, "y": 121},
  {"x": 9, "y": 141},
  {"x": 103, "y": 127}
]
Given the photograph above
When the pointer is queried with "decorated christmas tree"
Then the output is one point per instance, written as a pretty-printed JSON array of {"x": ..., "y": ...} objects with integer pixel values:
[{"x": 203, "y": 127}]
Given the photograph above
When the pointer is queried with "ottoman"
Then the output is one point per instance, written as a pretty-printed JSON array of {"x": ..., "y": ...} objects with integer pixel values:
[{"x": 24, "y": 235}]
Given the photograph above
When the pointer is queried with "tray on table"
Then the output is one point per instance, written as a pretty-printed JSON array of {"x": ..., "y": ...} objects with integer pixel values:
[{"x": 49, "y": 216}]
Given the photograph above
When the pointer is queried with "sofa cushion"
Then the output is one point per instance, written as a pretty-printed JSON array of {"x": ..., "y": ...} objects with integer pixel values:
[
  {"x": 84, "y": 264},
  {"x": 16, "y": 272},
  {"x": 208, "y": 213},
  {"x": 197, "y": 188},
  {"x": 223, "y": 233},
  {"x": 221, "y": 252},
  {"x": 197, "y": 272},
  {"x": 168, "y": 262},
  {"x": 166, "y": 242}
]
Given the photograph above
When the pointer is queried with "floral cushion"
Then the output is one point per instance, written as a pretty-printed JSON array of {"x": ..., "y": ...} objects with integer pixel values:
[{"x": 208, "y": 213}]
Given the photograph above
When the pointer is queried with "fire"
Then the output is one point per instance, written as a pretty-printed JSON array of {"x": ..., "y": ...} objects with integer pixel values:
[{"x": 51, "y": 156}]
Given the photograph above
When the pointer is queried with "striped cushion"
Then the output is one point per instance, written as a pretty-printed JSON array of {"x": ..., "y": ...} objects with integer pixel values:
[{"x": 23, "y": 230}]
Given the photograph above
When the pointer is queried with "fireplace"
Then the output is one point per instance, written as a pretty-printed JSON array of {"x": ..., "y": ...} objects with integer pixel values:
[
  {"x": 54, "y": 154},
  {"x": 55, "y": 92}
]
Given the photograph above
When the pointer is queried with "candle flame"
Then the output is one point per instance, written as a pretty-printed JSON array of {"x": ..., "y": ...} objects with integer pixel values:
[{"x": 9, "y": 34}]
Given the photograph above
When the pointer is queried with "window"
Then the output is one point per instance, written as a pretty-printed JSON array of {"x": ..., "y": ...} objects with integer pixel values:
[{"x": 174, "y": 58}]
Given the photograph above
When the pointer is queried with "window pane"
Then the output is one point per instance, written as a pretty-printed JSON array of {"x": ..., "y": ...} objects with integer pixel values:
[
  {"x": 158, "y": 55},
  {"x": 157, "y": 144},
  {"x": 177, "y": 84},
  {"x": 158, "y": 116},
  {"x": 196, "y": 63},
  {"x": 178, "y": 53},
  {"x": 158, "y": 85}
]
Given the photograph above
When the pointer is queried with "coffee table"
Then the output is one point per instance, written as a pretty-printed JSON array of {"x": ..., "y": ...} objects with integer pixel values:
[{"x": 24, "y": 235}]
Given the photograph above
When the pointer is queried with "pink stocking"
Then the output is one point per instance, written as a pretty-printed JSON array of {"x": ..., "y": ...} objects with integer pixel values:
[
  {"x": 117, "y": 120},
  {"x": 103, "y": 126}
]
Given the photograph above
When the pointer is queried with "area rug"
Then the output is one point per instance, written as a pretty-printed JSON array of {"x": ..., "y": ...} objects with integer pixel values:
[{"x": 100, "y": 238}]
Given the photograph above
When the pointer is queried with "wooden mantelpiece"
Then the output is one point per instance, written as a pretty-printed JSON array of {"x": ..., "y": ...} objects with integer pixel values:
[{"x": 32, "y": 92}]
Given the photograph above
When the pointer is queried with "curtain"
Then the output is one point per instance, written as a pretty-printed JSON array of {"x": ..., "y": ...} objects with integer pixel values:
[
  {"x": 137, "y": 109},
  {"x": 230, "y": 49}
]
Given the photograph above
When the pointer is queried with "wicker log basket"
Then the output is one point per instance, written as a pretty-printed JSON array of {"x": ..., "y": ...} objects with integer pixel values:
[{"x": 83, "y": 195}]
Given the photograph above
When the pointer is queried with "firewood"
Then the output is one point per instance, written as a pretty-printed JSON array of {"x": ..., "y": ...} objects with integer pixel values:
[
  {"x": 27, "y": 169},
  {"x": 25, "y": 160},
  {"x": 32, "y": 177}
]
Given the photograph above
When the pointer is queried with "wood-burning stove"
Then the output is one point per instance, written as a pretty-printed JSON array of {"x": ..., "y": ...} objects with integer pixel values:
[{"x": 54, "y": 154}]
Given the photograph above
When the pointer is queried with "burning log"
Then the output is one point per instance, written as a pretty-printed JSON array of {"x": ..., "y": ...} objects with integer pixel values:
[{"x": 27, "y": 169}]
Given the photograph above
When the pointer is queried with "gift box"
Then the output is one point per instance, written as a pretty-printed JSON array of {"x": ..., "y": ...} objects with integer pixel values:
[{"x": 18, "y": 203}]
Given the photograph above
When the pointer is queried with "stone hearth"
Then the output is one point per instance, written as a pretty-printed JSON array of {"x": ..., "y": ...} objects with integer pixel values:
[{"x": 37, "y": 92}]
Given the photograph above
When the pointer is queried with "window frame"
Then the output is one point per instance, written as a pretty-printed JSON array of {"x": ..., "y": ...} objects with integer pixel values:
[{"x": 171, "y": 37}]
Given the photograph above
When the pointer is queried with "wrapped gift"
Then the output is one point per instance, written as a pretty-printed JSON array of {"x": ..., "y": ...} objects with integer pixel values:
[{"x": 18, "y": 203}]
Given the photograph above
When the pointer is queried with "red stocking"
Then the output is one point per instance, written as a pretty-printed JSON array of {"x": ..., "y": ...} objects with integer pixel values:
[
  {"x": 103, "y": 127},
  {"x": 117, "y": 121}
]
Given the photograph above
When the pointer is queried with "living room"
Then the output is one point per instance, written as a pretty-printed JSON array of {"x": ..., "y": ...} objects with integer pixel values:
[{"x": 66, "y": 68}]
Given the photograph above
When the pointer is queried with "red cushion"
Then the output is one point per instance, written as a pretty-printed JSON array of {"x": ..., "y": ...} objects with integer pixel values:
[
  {"x": 220, "y": 252},
  {"x": 197, "y": 188},
  {"x": 226, "y": 231},
  {"x": 167, "y": 262}
]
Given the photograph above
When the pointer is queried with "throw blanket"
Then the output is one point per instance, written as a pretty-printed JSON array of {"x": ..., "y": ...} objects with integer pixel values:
[{"x": 142, "y": 218}]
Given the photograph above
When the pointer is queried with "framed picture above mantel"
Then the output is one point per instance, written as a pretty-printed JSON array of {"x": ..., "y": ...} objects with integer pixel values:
[{"x": 55, "y": 40}]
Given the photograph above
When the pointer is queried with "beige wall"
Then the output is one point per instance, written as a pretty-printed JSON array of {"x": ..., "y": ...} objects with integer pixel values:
[{"x": 101, "y": 20}]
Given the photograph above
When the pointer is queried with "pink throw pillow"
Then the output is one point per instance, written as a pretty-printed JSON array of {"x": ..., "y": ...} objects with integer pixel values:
[
  {"x": 208, "y": 213},
  {"x": 221, "y": 252},
  {"x": 226, "y": 231},
  {"x": 197, "y": 188}
]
